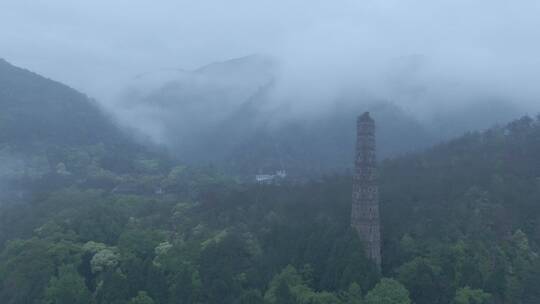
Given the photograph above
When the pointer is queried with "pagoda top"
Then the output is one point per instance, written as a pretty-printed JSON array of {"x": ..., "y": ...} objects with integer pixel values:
[{"x": 365, "y": 117}]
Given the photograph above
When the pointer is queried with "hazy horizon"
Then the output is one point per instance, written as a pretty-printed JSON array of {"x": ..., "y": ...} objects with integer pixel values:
[{"x": 417, "y": 54}]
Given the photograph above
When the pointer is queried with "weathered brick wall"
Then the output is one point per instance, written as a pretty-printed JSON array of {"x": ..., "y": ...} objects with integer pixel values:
[{"x": 365, "y": 199}]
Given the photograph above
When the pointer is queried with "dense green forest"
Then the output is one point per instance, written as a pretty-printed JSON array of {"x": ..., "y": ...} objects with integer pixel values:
[
  {"x": 102, "y": 220},
  {"x": 460, "y": 225}
]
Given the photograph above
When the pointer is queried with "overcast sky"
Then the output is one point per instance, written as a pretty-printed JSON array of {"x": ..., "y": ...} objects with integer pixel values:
[{"x": 460, "y": 45}]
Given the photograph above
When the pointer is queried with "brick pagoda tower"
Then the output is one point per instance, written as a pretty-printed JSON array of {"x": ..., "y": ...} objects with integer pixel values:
[{"x": 365, "y": 198}]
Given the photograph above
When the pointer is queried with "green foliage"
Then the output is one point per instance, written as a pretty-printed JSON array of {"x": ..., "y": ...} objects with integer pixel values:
[
  {"x": 423, "y": 279},
  {"x": 27, "y": 266},
  {"x": 113, "y": 288},
  {"x": 103, "y": 260},
  {"x": 141, "y": 242},
  {"x": 460, "y": 226},
  {"x": 141, "y": 298},
  {"x": 222, "y": 265},
  {"x": 67, "y": 288},
  {"x": 388, "y": 291},
  {"x": 290, "y": 287},
  {"x": 353, "y": 294},
  {"x": 279, "y": 288},
  {"x": 466, "y": 295},
  {"x": 251, "y": 296},
  {"x": 283, "y": 294}
]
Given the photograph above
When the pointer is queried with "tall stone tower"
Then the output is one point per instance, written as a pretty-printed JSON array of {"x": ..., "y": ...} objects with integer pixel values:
[{"x": 365, "y": 198}]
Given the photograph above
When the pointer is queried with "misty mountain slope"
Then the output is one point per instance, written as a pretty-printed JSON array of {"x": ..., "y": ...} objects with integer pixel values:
[
  {"x": 35, "y": 108},
  {"x": 324, "y": 145},
  {"x": 490, "y": 180},
  {"x": 177, "y": 106},
  {"x": 458, "y": 212},
  {"x": 234, "y": 115},
  {"x": 226, "y": 114},
  {"x": 51, "y": 134}
]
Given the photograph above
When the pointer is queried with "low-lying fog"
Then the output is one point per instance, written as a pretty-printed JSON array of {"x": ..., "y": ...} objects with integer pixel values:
[{"x": 179, "y": 70}]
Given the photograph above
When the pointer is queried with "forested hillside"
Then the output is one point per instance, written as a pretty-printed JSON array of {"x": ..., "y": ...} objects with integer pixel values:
[
  {"x": 270, "y": 152},
  {"x": 99, "y": 219},
  {"x": 460, "y": 225},
  {"x": 50, "y": 133},
  {"x": 37, "y": 109},
  {"x": 466, "y": 214}
]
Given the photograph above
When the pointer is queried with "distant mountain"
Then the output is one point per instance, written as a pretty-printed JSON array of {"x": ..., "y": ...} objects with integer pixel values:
[
  {"x": 229, "y": 114},
  {"x": 225, "y": 113},
  {"x": 460, "y": 221},
  {"x": 181, "y": 106},
  {"x": 50, "y": 132},
  {"x": 35, "y": 108}
]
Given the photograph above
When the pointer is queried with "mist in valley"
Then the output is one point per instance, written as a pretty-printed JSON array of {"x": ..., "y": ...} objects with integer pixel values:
[
  {"x": 208, "y": 152},
  {"x": 208, "y": 80}
]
